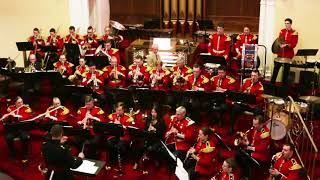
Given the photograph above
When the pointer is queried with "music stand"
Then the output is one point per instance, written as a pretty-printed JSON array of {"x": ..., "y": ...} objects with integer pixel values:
[
  {"x": 107, "y": 128},
  {"x": 22, "y": 125},
  {"x": 73, "y": 52},
  {"x": 241, "y": 97},
  {"x": 46, "y": 126},
  {"x": 208, "y": 58},
  {"x": 99, "y": 61},
  {"x": 24, "y": 47},
  {"x": 75, "y": 131}
]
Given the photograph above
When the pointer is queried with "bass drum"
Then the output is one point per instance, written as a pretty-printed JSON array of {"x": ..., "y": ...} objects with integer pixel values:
[{"x": 280, "y": 125}]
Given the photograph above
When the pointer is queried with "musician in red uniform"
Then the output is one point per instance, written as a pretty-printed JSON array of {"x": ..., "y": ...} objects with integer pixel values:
[
  {"x": 37, "y": 42},
  {"x": 244, "y": 38},
  {"x": 289, "y": 39},
  {"x": 285, "y": 165},
  {"x": 219, "y": 44},
  {"x": 197, "y": 81},
  {"x": 16, "y": 113},
  {"x": 200, "y": 161},
  {"x": 79, "y": 71},
  {"x": 178, "y": 74},
  {"x": 85, "y": 117},
  {"x": 106, "y": 50},
  {"x": 221, "y": 83},
  {"x": 106, "y": 35},
  {"x": 256, "y": 142},
  {"x": 118, "y": 146},
  {"x": 180, "y": 134},
  {"x": 159, "y": 77},
  {"x": 72, "y": 37},
  {"x": 138, "y": 74},
  {"x": 89, "y": 43},
  {"x": 57, "y": 112},
  {"x": 63, "y": 66},
  {"x": 251, "y": 86},
  {"x": 228, "y": 172},
  {"x": 55, "y": 40},
  {"x": 115, "y": 74}
]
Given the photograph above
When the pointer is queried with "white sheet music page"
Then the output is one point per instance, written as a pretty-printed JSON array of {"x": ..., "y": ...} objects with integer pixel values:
[
  {"x": 87, "y": 167},
  {"x": 180, "y": 172}
]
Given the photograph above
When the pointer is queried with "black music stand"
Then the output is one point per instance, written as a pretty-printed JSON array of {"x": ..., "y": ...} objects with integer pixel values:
[
  {"x": 73, "y": 52},
  {"x": 22, "y": 125},
  {"x": 106, "y": 128},
  {"x": 46, "y": 126},
  {"x": 24, "y": 47},
  {"x": 241, "y": 97},
  {"x": 208, "y": 58},
  {"x": 148, "y": 97},
  {"x": 138, "y": 133},
  {"x": 76, "y": 131},
  {"x": 99, "y": 61}
]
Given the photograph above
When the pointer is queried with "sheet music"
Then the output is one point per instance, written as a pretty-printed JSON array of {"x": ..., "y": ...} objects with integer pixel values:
[
  {"x": 180, "y": 172},
  {"x": 87, "y": 167},
  {"x": 169, "y": 152},
  {"x": 205, "y": 54}
]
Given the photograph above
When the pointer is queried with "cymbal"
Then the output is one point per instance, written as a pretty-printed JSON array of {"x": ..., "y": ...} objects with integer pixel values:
[
  {"x": 283, "y": 60},
  {"x": 310, "y": 99},
  {"x": 268, "y": 96},
  {"x": 117, "y": 25}
]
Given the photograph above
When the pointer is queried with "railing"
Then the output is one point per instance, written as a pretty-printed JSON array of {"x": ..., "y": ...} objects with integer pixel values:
[{"x": 300, "y": 135}]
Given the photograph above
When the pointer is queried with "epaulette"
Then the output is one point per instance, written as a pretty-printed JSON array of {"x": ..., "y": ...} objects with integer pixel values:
[
  {"x": 295, "y": 165},
  {"x": 212, "y": 79},
  {"x": 187, "y": 77},
  {"x": 122, "y": 68},
  {"x": 264, "y": 134},
  {"x": 100, "y": 72},
  {"x": 65, "y": 110},
  {"x": 149, "y": 68},
  {"x": 130, "y": 119},
  {"x": 9, "y": 108},
  {"x": 208, "y": 148},
  {"x": 278, "y": 155},
  {"x": 231, "y": 80},
  {"x": 190, "y": 121},
  {"x": 110, "y": 116},
  {"x": 228, "y": 38},
  {"x": 246, "y": 79},
  {"x": 55, "y": 64},
  {"x": 105, "y": 69},
  {"x": 205, "y": 79},
  {"x": 172, "y": 117},
  {"x": 130, "y": 67},
  {"x": 295, "y": 33},
  {"x": 189, "y": 70},
  {"x": 238, "y": 37},
  {"x": 84, "y": 74},
  {"x": 114, "y": 50},
  {"x": 254, "y": 37},
  {"x": 28, "y": 110},
  {"x": 70, "y": 64},
  {"x": 100, "y": 111},
  {"x": 166, "y": 72},
  {"x": 79, "y": 110},
  {"x": 172, "y": 68},
  {"x": 261, "y": 86}
]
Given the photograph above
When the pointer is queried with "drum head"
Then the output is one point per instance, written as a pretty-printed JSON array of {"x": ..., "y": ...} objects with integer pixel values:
[{"x": 278, "y": 129}]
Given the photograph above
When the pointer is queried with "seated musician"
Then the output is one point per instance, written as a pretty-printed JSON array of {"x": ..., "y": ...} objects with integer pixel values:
[
  {"x": 72, "y": 37},
  {"x": 159, "y": 77},
  {"x": 115, "y": 74},
  {"x": 251, "y": 86},
  {"x": 178, "y": 74},
  {"x": 180, "y": 134},
  {"x": 16, "y": 113},
  {"x": 89, "y": 43},
  {"x": 57, "y": 158},
  {"x": 284, "y": 165},
  {"x": 152, "y": 145},
  {"x": 219, "y": 44},
  {"x": 197, "y": 81},
  {"x": 118, "y": 146},
  {"x": 153, "y": 56},
  {"x": 106, "y": 50},
  {"x": 37, "y": 42},
  {"x": 79, "y": 71},
  {"x": 256, "y": 141},
  {"x": 107, "y": 34},
  {"x": 63, "y": 66},
  {"x": 85, "y": 117},
  {"x": 57, "y": 112},
  {"x": 228, "y": 172},
  {"x": 138, "y": 75},
  {"x": 33, "y": 65},
  {"x": 244, "y": 38},
  {"x": 221, "y": 83},
  {"x": 200, "y": 160}
]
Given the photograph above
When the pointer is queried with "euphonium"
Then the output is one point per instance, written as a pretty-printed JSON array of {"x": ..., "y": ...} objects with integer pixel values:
[{"x": 241, "y": 137}]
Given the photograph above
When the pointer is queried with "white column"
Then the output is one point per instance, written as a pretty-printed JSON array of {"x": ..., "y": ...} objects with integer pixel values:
[
  {"x": 99, "y": 15},
  {"x": 79, "y": 15},
  {"x": 267, "y": 32}
]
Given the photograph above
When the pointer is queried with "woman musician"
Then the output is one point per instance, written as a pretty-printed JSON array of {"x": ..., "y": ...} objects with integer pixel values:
[{"x": 228, "y": 172}]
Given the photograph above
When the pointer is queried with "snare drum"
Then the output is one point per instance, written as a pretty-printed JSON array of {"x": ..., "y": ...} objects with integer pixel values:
[
  {"x": 301, "y": 107},
  {"x": 280, "y": 125}
]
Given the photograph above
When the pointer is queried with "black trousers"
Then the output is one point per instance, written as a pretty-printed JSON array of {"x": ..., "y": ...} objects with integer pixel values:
[
  {"x": 24, "y": 137},
  {"x": 116, "y": 149},
  {"x": 91, "y": 145},
  {"x": 190, "y": 166},
  {"x": 285, "y": 75}
]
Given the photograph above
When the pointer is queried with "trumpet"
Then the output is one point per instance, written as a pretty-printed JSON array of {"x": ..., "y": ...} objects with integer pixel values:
[{"x": 242, "y": 137}]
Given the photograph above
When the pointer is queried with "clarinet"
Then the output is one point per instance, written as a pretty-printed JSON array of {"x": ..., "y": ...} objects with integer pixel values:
[
  {"x": 273, "y": 160},
  {"x": 217, "y": 175}
]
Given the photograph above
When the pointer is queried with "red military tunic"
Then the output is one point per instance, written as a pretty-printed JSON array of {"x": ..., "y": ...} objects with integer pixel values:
[
  {"x": 245, "y": 39},
  {"x": 57, "y": 43},
  {"x": 111, "y": 52},
  {"x": 288, "y": 167},
  {"x": 82, "y": 70},
  {"x": 224, "y": 83},
  {"x": 219, "y": 45},
  {"x": 138, "y": 80},
  {"x": 260, "y": 139},
  {"x": 39, "y": 42},
  {"x": 86, "y": 81},
  {"x": 185, "y": 127},
  {"x": 202, "y": 82},
  {"x": 61, "y": 114},
  {"x": 25, "y": 112},
  {"x": 110, "y": 75},
  {"x": 228, "y": 176},
  {"x": 95, "y": 112},
  {"x": 90, "y": 45},
  {"x": 289, "y": 37},
  {"x": 125, "y": 120},
  {"x": 178, "y": 77},
  {"x": 206, "y": 153},
  {"x": 71, "y": 40},
  {"x": 254, "y": 89},
  {"x": 67, "y": 65},
  {"x": 162, "y": 84}
]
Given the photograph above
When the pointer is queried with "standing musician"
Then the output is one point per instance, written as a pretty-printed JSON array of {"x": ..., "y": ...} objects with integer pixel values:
[
  {"x": 73, "y": 37},
  {"x": 244, "y": 38},
  {"x": 106, "y": 50},
  {"x": 107, "y": 36},
  {"x": 289, "y": 39},
  {"x": 284, "y": 166},
  {"x": 228, "y": 171},
  {"x": 85, "y": 117},
  {"x": 257, "y": 142},
  {"x": 250, "y": 86},
  {"x": 60, "y": 114},
  {"x": 16, "y": 113},
  {"x": 63, "y": 66},
  {"x": 57, "y": 157},
  {"x": 37, "y": 42},
  {"x": 118, "y": 146},
  {"x": 138, "y": 75},
  {"x": 219, "y": 44},
  {"x": 55, "y": 41},
  {"x": 178, "y": 74},
  {"x": 89, "y": 43},
  {"x": 79, "y": 71},
  {"x": 200, "y": 160},
  {"x": 115, "y": 74},
  {"x": 159, "y": 77}
]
